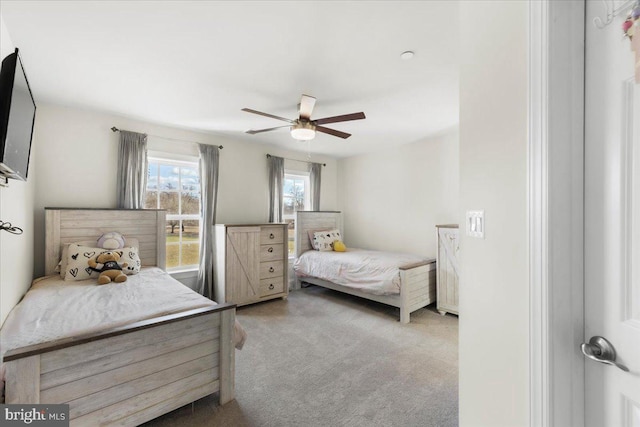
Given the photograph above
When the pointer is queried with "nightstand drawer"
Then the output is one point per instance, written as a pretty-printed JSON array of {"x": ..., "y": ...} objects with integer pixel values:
[
  {"x": 269, "y": 235},
  {"x": 271, "y": 269},
  {"x": 271, "y": 252},
  {"x": 271, "y": 286}
]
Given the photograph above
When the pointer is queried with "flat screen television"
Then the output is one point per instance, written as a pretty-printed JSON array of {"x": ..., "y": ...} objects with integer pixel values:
[{"x": 17, "y": 116}]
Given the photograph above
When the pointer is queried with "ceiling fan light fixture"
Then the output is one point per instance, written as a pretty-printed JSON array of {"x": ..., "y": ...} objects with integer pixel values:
[
  {"x": 406, "y": 55},
  {"x": 303, "y": 131}
]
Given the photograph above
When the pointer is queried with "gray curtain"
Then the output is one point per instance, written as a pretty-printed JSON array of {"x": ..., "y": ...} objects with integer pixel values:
[
  {"x": 315, "y": 174},
  {"x": 132, "y": 170},
  {"x": 276, "y": 181},
  {"x": 209, "y": 160}
]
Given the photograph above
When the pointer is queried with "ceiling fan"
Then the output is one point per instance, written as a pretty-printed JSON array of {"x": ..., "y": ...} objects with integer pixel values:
[{"x": 303, "y": 128}]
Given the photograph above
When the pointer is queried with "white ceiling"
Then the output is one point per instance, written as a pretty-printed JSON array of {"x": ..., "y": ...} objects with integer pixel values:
[{"x": 196, "y": 64}]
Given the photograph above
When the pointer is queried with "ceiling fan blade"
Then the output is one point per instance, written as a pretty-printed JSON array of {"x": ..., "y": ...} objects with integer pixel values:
[
  {"x": 306, "y": 106},
  {"x": 249, "y": 110},
  {"x": 343, "y": 118},
  {"x": 253, "y": 132},
  {"x": 333, "y": 132}
]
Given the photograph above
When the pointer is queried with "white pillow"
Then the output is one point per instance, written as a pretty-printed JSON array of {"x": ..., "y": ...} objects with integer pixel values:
[
  {"x": 62, "y": 265},
  {"x": 323, "y": 240},
  {"x": 310, "y": 233},
  {"x": 77, "y": 267},
  {"x": 132, "y": 258}
]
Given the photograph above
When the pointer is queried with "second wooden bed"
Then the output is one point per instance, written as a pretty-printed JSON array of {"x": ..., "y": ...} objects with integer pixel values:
[
  {"x": 125, "y": 375},
  {"x": 418, "y": 280}
]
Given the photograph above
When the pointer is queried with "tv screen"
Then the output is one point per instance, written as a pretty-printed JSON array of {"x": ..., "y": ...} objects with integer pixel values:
[{"x": 17, "y": 116}]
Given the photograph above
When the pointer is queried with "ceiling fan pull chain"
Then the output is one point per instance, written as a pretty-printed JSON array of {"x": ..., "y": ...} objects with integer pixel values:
[{"x": 309, "y": 149}]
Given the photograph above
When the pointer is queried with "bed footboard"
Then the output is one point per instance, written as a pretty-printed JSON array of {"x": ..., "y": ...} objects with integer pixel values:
[
  {"x": 418, "y": 288},
  {"x": 132, "y": 374}
]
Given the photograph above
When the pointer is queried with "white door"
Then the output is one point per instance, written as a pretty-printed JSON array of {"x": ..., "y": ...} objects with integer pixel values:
[{"x": 612, "y": 221}]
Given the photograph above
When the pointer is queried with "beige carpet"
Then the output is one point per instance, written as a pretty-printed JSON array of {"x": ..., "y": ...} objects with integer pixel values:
[{"x": 322, "y": 358}]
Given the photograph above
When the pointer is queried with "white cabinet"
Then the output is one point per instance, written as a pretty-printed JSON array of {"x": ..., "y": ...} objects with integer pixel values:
[
  {"x": 251, "y": 263},
  {"x": 447, "y": 269}
]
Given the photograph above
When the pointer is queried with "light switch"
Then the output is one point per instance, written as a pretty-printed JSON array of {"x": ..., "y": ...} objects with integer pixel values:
[{"x": 475, "y": 224}]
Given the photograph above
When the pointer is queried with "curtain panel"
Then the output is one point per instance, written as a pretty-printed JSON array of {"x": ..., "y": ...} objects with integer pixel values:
[
  {"x": 209, "y": 161},
  {"x": 315, "y": 175},
  {"x": 132, "y": 170},
  {"x": 276, "y": 182}
]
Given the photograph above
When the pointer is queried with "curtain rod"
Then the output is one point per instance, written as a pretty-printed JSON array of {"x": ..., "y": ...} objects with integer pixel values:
[
  {"x": 115, "y": 129},
  {"x": 296, "y": 160}
]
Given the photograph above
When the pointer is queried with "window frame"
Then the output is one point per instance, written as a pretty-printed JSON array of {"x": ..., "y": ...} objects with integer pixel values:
[
  {"x": 291, "y": 218},
  {"x": 192, "y": 162},
  {"x": 305, "y": 176}
]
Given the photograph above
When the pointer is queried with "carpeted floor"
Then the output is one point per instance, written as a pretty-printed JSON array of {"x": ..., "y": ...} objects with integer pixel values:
[{"x": 323, "y": 358}]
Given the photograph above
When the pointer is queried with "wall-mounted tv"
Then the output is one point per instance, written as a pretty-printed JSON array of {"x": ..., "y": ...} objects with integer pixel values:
[{"x": 17, "y": 116}]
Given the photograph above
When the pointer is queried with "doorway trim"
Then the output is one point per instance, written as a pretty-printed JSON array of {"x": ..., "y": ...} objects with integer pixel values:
[{"x": 556, "y": 200}]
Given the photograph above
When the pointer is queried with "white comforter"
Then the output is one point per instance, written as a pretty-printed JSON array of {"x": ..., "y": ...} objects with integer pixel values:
[
  {"x": 53, "y": 308},
  {"x": 374, "y": 272}
]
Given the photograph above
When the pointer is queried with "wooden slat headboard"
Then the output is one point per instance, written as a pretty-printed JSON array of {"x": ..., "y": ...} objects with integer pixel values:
[
  {"x": 314, "y": 221},
  {"x": 64, "y": 226}
]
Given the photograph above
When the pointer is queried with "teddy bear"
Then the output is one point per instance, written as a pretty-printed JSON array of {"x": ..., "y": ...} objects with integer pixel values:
[{"x": 107, "y": 264}]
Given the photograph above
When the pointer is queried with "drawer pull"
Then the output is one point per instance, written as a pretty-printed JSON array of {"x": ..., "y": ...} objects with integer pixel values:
[
  {"x": 271, "y": 269},
  {"x": 272, "y": 236},
  {"x": 270, "y": 249},
  {"x": 271, "y": 286}
]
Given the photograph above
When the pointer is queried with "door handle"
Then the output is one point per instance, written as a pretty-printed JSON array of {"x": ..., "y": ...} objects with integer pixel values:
[{"x": 601, "y": 350}]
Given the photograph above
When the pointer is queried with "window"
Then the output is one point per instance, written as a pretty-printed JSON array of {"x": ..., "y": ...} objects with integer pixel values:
[
  {"x": 296, "y": 195},
  {"x": 175, "y": 186}
]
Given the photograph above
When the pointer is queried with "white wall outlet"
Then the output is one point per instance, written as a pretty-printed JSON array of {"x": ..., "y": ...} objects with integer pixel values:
[{"x": 475, "y": 224}]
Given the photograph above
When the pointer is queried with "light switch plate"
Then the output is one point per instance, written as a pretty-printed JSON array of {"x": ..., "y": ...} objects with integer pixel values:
[{"x": 475, "y": 224}]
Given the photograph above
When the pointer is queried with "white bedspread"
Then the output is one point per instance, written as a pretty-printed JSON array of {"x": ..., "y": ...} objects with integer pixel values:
[
  {"x": 53, "y": 309},
  {"x": 374, "y": 272}
]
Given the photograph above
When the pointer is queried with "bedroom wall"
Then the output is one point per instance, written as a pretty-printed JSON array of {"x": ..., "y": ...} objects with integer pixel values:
[
  {"x": 392, "y": 199},
  {"x": 16, "y": 207},
  {"x": 494, "y": 281},
  {"x": 78, "y": 156}
]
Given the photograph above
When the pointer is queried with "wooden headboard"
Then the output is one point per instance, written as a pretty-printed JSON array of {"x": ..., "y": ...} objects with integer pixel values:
[
  {"x": 314, "y": 220},
  {"x": 68, "y": 225}
]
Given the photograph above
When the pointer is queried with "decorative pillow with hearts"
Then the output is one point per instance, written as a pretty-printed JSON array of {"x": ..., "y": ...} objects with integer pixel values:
[
  {"x": 131, "y": 257},
  {"x": 323, "y": 240},
  {"x": 130, "y": 242},
  {"x": 78, "y": 256}
]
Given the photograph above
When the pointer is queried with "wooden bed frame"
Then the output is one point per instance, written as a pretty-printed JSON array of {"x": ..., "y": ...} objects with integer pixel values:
[
  {"x": 418, "y": 280},
  {"x": 131, "y": 374}
]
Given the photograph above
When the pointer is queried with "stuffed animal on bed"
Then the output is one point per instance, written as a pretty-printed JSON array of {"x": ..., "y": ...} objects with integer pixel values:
[
  {"x": 108, "y": 265},
  {"x": 338, "y": 246},
  {"x": 111, "y": 240}
]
